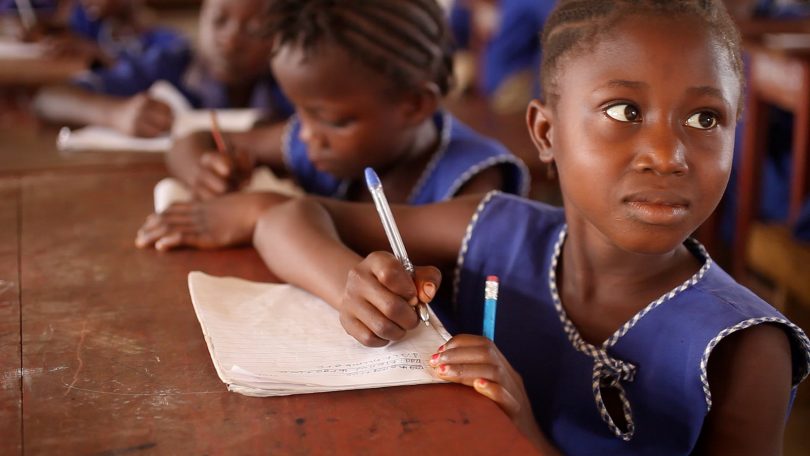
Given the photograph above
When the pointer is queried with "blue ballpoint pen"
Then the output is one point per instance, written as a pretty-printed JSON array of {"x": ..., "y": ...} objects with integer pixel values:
[{"x": 390, "y": 226}]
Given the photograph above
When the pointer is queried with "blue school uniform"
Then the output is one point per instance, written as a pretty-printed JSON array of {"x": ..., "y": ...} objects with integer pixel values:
[
  {"x": 176, "y": 65},
  {"x": 99, "y": 31},
  {"x": 462, "y": 154},
  {"x": 656, "y": 361},
  {"x": 515, "y": 46}
]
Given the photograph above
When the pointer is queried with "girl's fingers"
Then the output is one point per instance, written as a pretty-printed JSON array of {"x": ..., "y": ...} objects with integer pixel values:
[
  {"x": 377, "y": 322},
  {"x": 499, "y": 394},
  {"x": 427, "y": 280},
  {"x": 466, "y": 374},
  {"x": 217, "y": 163},
  {"x": 392, "y": 275},
  {"x": 468, "y": 354},
  {"x": 360, "y": 332}
]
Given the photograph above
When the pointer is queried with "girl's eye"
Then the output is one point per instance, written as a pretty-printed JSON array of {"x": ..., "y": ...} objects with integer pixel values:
[
  {"x": 340, "y": 123},
  {"x": 703, "y": 120},
  {"x": 623, "y": 113}
]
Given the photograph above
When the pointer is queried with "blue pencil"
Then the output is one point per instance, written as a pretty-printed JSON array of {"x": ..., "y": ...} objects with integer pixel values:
[{"x": 490, "y": 306}]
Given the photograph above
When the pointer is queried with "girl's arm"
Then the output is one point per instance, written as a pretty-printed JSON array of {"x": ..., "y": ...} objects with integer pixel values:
[
  {"x": 318, "y": 245},
  {"x": 750, "y": 382},
  {"x": 138, "y": 115}
]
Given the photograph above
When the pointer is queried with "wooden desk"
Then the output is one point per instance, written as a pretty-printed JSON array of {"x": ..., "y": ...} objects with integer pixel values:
[
  {"x": 28, "y": 148},
  {"x": 38, "y": 72},
  {"x": 10, "y": 394},
  {"x": 113, "y": 358},
  {"x": 780, "y": 78}
]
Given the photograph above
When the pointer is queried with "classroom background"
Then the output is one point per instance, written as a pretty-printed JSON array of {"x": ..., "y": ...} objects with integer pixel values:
[{"x": 100, "y": 351}]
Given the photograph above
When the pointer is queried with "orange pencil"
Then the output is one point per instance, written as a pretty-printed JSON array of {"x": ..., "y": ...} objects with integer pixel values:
[{"x": 217, "y": 134}]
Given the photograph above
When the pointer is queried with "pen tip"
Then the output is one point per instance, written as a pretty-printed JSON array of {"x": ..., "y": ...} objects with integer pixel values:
[{"x": 371, "y": 179}]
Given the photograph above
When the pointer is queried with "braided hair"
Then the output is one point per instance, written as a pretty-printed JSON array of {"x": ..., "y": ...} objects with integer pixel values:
[
  {"x": 575, "y": 25},
  {"x": 407, "y": 41}
]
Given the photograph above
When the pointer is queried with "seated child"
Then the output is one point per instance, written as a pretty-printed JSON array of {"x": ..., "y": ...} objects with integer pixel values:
[
  {"x": 229, "y": 71},
  {"x": 385, "y": 112},
  {"x": 615, "y": 333},
  {"x": 97, "y": 31}
]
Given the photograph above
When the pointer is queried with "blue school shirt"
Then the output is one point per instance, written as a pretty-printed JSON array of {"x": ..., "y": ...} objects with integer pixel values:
[
  {"x": 176, "y": 65},
  {"x": 657, "y": 359},
  {"x": 462, "y": 154},
  {"x": 515, "y": 46},
  {"x": 98, "y": 30}
]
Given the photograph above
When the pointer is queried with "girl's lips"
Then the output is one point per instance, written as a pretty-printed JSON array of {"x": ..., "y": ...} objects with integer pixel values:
[{"x": 657, "y": 208}]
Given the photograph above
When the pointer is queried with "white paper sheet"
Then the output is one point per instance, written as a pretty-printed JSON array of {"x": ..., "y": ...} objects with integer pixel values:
[
  {"x": 275, "y": 340},
  {"x": 186, "y": 121},
  {"x": 170, "y": 190}
]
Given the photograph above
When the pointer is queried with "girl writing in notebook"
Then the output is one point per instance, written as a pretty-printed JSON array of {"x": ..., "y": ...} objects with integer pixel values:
[
  {"x": 615, "y": 333},
  {"x": 367, "y": 80}
]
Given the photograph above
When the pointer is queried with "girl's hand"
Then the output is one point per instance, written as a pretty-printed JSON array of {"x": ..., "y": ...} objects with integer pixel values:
[
  {"x": 207, "y": 172},
  {"x": 476, "y": 361},
  {"x": 219, "y": 173},
  {"x": 378, "y": 304},
  {"x": 143, "y": 116}
]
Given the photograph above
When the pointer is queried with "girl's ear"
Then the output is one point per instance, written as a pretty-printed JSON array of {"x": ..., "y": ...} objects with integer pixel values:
[
  {"x": 421, "y": 103},
  {"x": 539, "y": 119}
]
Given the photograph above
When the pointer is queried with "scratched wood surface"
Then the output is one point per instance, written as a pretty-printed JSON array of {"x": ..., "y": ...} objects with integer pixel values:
[
  {"x": 29, "y": 148},
  {"x": 10, "y": 399},
  {"x": 114, "y": 359}
]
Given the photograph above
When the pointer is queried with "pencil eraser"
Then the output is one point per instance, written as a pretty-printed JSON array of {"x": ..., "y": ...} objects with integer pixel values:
[{"x": 492, "y": 278}]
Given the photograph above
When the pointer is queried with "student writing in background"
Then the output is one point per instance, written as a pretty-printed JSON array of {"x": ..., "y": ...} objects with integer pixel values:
[
  {"x": 367, "y": 80},
  {"x": 229, "y": 71},
  {"x": 97, "y": 31},
  {"x": 615, "y": 332}
]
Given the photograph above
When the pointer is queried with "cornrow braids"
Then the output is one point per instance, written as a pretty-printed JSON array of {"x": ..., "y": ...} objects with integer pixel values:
[
  {"x": 407, "y": 41},
  {"x": 575, "y": 25}
]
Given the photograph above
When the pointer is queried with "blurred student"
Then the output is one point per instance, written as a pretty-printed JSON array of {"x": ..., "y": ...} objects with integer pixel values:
[
  {"x": 229, "y": 70},
  {"x": 367, "y": 80}
]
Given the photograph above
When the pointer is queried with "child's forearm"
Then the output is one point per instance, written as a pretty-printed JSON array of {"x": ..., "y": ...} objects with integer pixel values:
[
  {"x": 263, "y": 143},
  {"x": 76, "y": 106},
  {"x": 300, "y": 244}
]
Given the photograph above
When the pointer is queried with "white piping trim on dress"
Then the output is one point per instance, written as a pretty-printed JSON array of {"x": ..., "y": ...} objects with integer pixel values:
[
  {"x": 465, "y": 245},
  {"x": 606, "y": 366},
  {"x": 489, "y": 162},
  {"x": 447, "y": 124},
  {"x": 704, "y": 361}
]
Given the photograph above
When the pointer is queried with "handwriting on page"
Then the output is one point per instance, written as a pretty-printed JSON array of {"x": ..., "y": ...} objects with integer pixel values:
[
  {"x": 272, "y": 339},
  {"x": 407, "y": 361}
]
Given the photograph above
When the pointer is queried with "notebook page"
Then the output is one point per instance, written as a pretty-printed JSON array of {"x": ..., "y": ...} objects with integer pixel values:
[{"x": 283, "y": 339}]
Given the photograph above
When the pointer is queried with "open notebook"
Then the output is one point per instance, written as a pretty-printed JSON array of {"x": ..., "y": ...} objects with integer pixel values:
[
  {"x": 275, "y": 340},
  {"x": 186, "y": 120}
]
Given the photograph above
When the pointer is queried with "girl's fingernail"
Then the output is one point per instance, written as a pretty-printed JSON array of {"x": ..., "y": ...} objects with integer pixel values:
[
  {"x": 441, "y": 348},
  {"x": 443, "y": 369},
  {"x": 480, "y": 383},
  {"x": 430, "y": 290},
  {"x": 434, "y": 359}
]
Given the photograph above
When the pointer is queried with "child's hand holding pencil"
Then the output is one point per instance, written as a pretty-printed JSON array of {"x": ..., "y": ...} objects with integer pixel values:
[{"x": 217, "y": 172}]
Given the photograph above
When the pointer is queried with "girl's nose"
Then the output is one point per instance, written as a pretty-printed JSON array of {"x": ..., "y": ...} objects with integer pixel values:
[
  {"x": 663, "y": 153},
  {"x": 227, "y": 39},
  {"x": 309, "y": 135}
]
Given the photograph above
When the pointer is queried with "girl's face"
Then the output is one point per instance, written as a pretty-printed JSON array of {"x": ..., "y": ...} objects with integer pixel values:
[
  {"x": 232, "y": 38},
  {"x": 643, "y": 131},
  {"x": 348, "y": 118}
]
